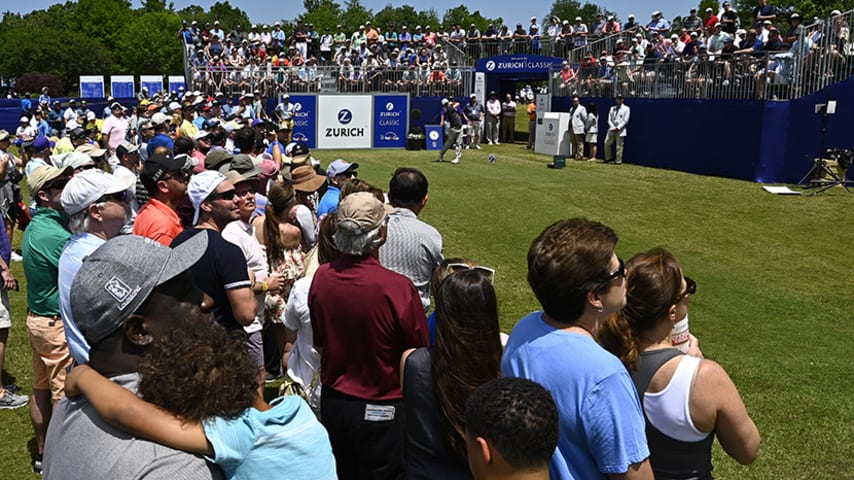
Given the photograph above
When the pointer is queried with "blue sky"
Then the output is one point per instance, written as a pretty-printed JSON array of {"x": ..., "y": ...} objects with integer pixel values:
[{"x": 259, "y": 11}]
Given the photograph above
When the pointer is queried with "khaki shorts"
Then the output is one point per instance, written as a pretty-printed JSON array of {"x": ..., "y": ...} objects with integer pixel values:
[
  {"x": 5, "y": 311},
  {"x": 51, "y": 357}
]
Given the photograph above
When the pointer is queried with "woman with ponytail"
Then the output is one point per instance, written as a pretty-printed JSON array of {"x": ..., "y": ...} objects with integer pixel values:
[
  {"x": 686, "y": 399},
  {"x": 281, "y": 241}
]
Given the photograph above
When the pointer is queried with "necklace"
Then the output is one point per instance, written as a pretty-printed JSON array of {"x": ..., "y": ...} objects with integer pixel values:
[{"x": 582, "y": 327}]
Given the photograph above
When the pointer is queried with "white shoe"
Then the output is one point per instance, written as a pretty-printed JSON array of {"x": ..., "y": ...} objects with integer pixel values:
[
  {"x": 497, "y": 142},
  {"x": 477, "y": 146},
  {"x": 15, "y": 257},
  {"x": 467, "y": 147},
  {"x": 456, "y": 160}
]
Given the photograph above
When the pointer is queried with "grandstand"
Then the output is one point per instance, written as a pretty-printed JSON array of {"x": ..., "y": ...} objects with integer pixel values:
[{"x": 634, "y": 62}]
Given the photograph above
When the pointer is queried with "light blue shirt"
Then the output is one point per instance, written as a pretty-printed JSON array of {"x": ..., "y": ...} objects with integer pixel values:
[
  {"x": 79, "y": 246},
  {"x": 602, "y": 429},
  {"x": 329, "y": 203},
  {"x": 286, "y": 441}
]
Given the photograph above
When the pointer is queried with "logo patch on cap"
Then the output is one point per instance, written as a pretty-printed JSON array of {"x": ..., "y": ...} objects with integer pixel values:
[{"x": 121, "y": 292}]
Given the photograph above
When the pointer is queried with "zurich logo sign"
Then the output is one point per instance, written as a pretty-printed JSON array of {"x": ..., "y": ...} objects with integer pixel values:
[
  {"x": 490, "y": 65},
  {"x": 345, "y": 116}
]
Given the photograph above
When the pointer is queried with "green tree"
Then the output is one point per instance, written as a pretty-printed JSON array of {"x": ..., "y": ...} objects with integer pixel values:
[
  {"x": 355, "y": 14},
  {"x": 101, "y": 20},
  {"x": 569, "y": 9},
  {"x": 149, "y": 46},
  {"x": 227, "y": 15},
  {"x": 462, "y": 16},
  {"x": 322, "y": 13}
]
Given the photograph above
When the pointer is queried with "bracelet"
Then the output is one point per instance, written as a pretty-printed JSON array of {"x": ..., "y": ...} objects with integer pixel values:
[{"x": 264, "y": 286}]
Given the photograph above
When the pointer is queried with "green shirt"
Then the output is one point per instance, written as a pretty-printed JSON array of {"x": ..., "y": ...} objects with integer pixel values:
[{"x": 42, "y": 246}]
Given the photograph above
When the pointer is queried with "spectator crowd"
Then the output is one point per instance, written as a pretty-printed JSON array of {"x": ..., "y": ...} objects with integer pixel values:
[{"x": 185, "y": 252}]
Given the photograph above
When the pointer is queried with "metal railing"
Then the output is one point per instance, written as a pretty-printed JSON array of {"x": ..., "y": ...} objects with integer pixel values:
[
  {"x": 276, "y": 81},
  {"x": 825, "y": 51},
  {"x": 763, "y": 76},
  {"x": 579, "y": 48}
]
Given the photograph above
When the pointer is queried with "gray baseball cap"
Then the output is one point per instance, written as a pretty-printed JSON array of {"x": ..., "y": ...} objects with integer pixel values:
[{"x": 119, "y": 276}]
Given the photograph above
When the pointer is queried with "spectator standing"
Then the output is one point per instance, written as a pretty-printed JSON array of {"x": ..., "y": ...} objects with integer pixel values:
[
  {"x": 222, "y": 271},
  {"x": 511, "y": 430},
  {"x": 493, "y": 117},
  {"x": 532, "y": 125},
  {"x": 165, "y": 180},
  {"x": 437, "y": 381},
  {"x": 763, "y": 12},
  {"x": 127, "y": 294},
  {"x": 692, "y": 22},
  {"x": 162, "y": 124},
  {"x": 591, "y": 129},
  {"x": 114, "y": 131},
  {"x": 729, "y": 19},
  {"x": 338, "y": 173},
  {"x": 96, "y": 203},
  {"x": 42, "y": 247},
  {"x": 577, "y": 122},
  {"x": 8, "y": 398},
  {"x": 687, "y": 400},
  {"x": 618, "y": 118},
  {"x": 508, "y": 119},
  {"x": 412, "y": 247},
  {"x": 361, "y": 400},
  {"x": 473, "y": 113},
  {"x": 578, "y": 279},
  {"x": 241, "y": 232}
]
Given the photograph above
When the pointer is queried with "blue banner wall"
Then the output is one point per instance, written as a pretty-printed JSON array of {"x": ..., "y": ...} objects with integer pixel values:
[
  {"x": 390, "y": 116},
  {"x": 305, "y": 119}
]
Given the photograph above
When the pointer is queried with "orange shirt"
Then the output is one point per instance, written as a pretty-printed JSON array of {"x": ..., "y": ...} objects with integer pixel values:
[
  {"x": 532, "y": 111},
  {"x": 157, "y": 221}
]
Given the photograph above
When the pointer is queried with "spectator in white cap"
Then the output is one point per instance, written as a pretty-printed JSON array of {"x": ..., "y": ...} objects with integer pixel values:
[
  {"x": 339, "y": 172},
  {"x": 162, "y": 123},
  {"x": 222, "y": 271},
  {"x": 97, "y": 205}
]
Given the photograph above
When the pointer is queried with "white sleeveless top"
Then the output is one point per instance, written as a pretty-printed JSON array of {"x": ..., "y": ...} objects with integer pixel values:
[{"x": 668, "y": 410}]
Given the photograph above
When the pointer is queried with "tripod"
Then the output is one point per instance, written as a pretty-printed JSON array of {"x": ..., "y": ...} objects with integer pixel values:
[{"x": 822, "y": 177}]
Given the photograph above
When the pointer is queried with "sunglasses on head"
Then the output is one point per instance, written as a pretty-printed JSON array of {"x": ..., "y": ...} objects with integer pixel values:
[
  {"x": 456, "y": 267},
  {"x": 690, "y": 289}
]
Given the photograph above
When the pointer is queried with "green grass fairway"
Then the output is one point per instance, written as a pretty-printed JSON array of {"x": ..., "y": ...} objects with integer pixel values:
[{"x": 774, "y": 296}]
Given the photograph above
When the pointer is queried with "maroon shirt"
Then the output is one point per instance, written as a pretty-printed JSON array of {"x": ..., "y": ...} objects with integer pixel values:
[{"x": 363, "y": 317}]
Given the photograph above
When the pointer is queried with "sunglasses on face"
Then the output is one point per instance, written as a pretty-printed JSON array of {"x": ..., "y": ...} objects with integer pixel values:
[
  {"x": 690, "y": 289},
  {"x": 227, "y": 195},
  {"x": 182, "y": 177},
  {"x": 619, "y": 272},
  {"x": 456, "y": 267}
]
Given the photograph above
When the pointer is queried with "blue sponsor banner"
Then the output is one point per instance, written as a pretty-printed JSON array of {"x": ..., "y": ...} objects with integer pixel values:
[
  {"x": 121, "y": 86},
  {"x": 517, "y": 64},
  {"x": 176, "y": 84},
  {"x": 305, "y": 119},
  {"x": 91, "y": 86},
  {"x": 434, "y": 136},
  {"x": 154, "y": 83},
  {"x": 390, "y": 114}
]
